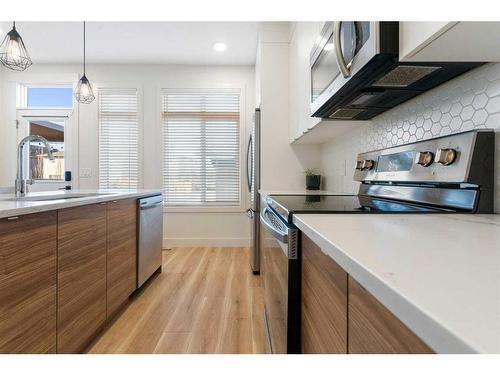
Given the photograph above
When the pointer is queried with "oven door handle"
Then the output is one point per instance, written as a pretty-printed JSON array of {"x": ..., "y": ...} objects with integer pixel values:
[
  {"x": 278, "y": 234},
  {"x": 346, "y": 71}
]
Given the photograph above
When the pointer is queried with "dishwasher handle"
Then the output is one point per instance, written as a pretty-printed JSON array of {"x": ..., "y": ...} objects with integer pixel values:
[
  {"x": 150, "y": 205},
  {"x": 150, "y": 202}
]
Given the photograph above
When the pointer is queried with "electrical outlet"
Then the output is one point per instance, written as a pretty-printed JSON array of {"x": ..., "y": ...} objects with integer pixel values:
[{"x": 85, "y": 172}]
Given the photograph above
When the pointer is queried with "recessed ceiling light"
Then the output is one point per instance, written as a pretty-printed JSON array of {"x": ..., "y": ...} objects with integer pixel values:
[{"x": 220, "y": 47}]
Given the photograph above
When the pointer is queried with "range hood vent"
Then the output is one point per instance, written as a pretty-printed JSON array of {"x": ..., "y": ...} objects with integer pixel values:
[
  {"x": 405, "y": 75},
  {"x": 346, "y": 113}
]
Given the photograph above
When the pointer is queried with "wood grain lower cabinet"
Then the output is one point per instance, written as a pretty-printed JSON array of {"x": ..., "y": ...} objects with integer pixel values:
[
  {"x": 373, "y": 329},
  {"x": 28, "y": 283},
  {"x": 81, "y": 276},
  {"x": 121, "y": 253},
  {"x": 324, "y": 302}
]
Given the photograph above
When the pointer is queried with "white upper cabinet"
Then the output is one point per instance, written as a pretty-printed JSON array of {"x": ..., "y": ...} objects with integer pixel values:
[
  {"x": 302, "y": 38},
  {"x": 449, "y": 41}
]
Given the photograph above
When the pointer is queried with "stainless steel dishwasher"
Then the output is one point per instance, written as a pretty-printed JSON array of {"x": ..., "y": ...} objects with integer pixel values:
[{"x": 150, "y": 237}]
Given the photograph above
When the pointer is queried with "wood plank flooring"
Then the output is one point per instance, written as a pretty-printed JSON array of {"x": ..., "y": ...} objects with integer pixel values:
[{"x": 206, "y": 300}]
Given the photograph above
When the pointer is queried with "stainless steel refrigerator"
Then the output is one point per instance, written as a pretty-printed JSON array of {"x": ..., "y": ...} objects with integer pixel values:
[{"x": 253, "y": 185}]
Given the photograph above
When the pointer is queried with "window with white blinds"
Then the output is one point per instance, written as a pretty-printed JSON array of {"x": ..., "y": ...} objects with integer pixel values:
[
  {"x": 118, "y": 139},
  {"x": 201, "y": 147}
]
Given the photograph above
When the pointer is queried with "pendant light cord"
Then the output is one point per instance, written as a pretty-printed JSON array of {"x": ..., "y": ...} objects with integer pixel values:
[{"x": 83, "y": 47}]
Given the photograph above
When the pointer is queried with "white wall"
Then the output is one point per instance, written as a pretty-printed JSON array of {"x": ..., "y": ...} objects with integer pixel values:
[
  {"x": 180, "y": 228},
  {"x": 467, "y": 102},
  {"x": 282, "y": 165}
]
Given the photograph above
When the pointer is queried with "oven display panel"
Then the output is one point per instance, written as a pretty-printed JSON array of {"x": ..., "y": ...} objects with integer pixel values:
[{"x": 400, "y": 162}]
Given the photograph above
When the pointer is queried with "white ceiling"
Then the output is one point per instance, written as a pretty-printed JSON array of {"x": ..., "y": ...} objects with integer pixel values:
[{"x": 139, "y": 42}]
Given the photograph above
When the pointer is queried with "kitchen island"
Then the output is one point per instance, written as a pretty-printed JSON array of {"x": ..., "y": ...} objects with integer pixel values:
[
  {"x": 68, "y": 263},
  {"x": 438, "y": 274},
  {"x": 54, "y": 200}
]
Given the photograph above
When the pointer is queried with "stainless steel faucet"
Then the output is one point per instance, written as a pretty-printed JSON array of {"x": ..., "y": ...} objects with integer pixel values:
[{"x": 21, "y": 182}]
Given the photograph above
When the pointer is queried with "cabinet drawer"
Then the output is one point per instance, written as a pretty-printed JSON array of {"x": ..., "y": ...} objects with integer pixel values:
[{"x": 373, "y": 329}]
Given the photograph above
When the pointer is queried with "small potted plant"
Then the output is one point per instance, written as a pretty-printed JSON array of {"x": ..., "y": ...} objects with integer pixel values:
[{"x": 313, "y": 179}]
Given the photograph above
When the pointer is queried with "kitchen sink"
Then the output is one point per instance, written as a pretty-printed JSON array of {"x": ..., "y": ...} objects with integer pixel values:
[{"x": 52, "y": 197}]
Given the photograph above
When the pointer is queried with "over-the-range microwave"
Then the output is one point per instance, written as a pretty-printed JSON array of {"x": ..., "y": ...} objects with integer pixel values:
[{"x": 356, "y": 73}]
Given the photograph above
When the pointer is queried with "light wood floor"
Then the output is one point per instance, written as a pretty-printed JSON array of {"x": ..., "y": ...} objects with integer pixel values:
[{"x": 206, "y": 300}]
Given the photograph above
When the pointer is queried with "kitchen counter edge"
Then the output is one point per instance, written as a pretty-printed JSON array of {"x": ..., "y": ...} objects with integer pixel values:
[{"x": 18, "y": 208}]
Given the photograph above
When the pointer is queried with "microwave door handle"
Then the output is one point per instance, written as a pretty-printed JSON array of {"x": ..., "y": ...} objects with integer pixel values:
[{"x": 346, "y": 71}]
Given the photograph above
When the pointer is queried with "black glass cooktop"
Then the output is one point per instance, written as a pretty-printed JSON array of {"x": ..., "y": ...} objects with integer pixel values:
[{"x": 344, "y": 204}]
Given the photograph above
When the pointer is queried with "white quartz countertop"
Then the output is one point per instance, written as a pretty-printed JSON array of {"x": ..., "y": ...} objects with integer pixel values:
[
  {"x": 10, "y": 207},
  {"x": 439, "y": 274}
]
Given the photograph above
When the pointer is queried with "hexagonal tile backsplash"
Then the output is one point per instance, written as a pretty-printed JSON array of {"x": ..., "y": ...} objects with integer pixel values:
[{"x": 468, "y": 102}]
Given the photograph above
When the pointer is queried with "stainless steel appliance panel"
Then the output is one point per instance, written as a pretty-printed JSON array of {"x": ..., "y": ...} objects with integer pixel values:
[
  {"x": 403, "y": 163},
  {"x": 253, "y": 185},
  {"x": 281, "y": 276},
  {"x": 149, "y": 249},
  {"x": 253, "y": 163},
  {"x": 275, "y": 274},
  {"x": 356, "y": 73},
  {"x": 359, "y": 54},
  {"x": 454, "y": 171}
]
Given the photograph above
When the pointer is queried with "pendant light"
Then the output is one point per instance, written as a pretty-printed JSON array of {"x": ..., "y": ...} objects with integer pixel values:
[
  {"x": 13, "y": 52},
  {"x": 84, "y": 92}
]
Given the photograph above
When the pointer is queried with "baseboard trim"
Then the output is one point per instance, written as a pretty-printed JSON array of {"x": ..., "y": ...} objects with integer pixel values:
[{"x": 210, "y": 242}]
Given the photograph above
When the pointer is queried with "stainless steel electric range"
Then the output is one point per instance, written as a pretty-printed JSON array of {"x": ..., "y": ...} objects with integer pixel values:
[{"x": 451, "y": 174}]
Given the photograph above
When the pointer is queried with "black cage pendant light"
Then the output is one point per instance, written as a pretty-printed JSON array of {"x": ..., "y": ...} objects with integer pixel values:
[
  {"x": 84, "y": 92},
  {"x": 13, "y": 52}
]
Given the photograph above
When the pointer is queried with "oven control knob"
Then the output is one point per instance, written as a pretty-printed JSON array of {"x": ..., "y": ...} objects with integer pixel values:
[
  {"x": 368, "y": 165},
  {"x": 424, "y": 158},
  {"x": 446, "y": 156},
  {"x": 359, "y": 165}
]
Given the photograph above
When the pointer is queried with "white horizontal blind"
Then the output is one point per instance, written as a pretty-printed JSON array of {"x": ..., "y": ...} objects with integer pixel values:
[
  {"x": 118, "y": 139},
  {"x": 201, "y": 147}
]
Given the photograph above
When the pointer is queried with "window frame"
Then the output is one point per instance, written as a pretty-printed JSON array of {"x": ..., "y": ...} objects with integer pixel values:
[
  {"x": 242, "y": 138},
  {"x": 22, "y": 95}
]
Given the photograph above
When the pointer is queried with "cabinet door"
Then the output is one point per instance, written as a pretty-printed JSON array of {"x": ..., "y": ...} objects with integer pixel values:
[
  {"x": 303, "y": 37},
  {"x": 416, "y": 35},
  {"x": 122, "y": 253},
  {"x": 324, "y": 302},
  {"x": 81, "y": 276},
  {"x": 449, "y": 41},
  {"x": 28, "y": 283},
  {"x": 373, "y": 329}
]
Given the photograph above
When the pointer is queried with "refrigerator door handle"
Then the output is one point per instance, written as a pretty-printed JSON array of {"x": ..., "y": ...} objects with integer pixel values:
[{"x": 249, "y": 160}]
